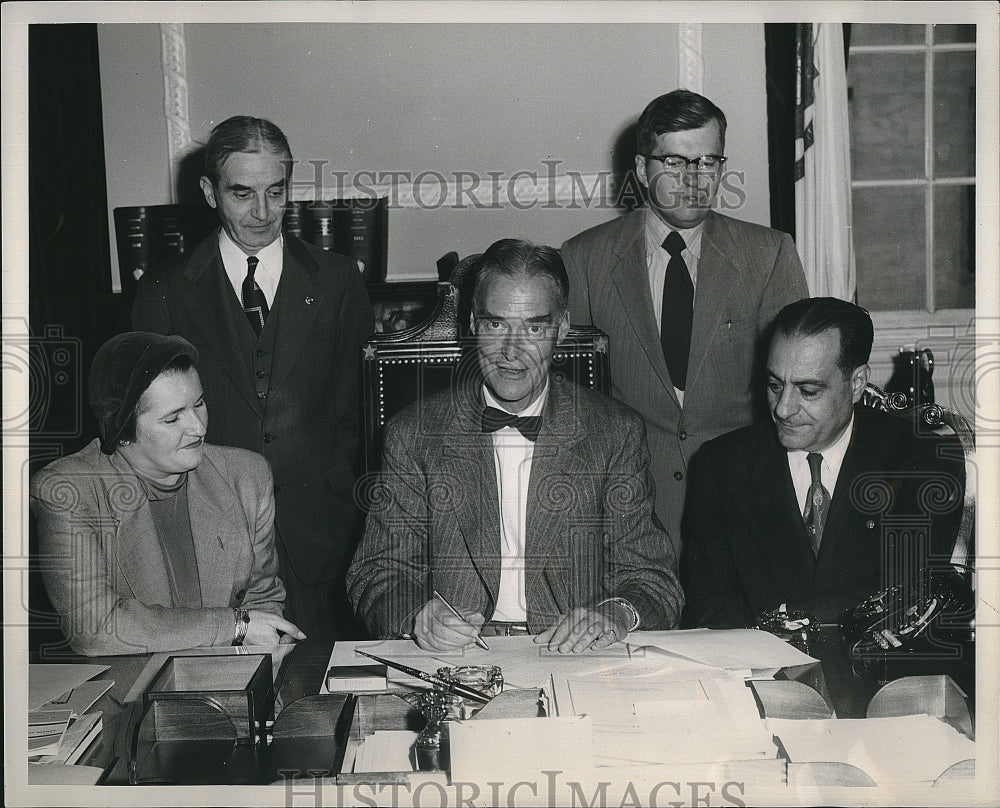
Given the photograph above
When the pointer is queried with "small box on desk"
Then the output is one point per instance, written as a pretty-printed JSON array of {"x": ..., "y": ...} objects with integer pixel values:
[
  {"x": 240, "y": 688},
  {"x": 357, "y": 678}
]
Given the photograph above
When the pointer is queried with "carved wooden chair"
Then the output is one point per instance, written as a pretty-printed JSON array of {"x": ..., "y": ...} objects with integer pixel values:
[{"x": 400, "y": 367}]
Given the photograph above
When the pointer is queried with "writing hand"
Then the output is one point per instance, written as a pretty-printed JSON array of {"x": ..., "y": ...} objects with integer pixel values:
[
  {"x": 435, "y": 628},
  {"x": 266, "y": 628},
  {"x": 583, "y": 629}
]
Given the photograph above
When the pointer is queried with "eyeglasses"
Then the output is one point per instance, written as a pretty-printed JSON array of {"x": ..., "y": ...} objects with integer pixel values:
[
  {"x": 678, "y": 163},
  {"x": 496, "y": 327}
]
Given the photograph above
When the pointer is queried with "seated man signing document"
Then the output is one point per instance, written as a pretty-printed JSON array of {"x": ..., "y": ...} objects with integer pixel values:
[{"x": 521, "y": 498}]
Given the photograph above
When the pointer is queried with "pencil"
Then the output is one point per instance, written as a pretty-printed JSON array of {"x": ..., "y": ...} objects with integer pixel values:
[{"x": 479, "y": 640}]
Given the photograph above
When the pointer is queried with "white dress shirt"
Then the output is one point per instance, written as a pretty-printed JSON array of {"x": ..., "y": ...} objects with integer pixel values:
[
  {"x": 657, "y": 258},
  {"x": 268, "y": 271},
  {"x": 512, "y": 454},
  {"x": 833, "y": 459}
]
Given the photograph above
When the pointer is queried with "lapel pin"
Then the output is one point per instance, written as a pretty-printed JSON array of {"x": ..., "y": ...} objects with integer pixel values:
[
  {"x": 309, "y": 301},
  {"x": 870, "y": 524}
]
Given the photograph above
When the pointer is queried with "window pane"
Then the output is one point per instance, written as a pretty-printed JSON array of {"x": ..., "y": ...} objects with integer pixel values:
[
  {"x": 954, "y": 33},
  {"x": 955, "y": 247},
  {"x": 954, "y": 114},
  {"x": 890, "y": 247},
  {"x": 885, "y": 93},
  {"x": 881, "y": 34}
]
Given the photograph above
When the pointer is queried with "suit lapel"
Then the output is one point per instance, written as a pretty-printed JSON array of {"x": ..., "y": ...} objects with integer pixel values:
[
  {"x": 716, "y": 281},
  {"x": 631, "y": 279},
  {"x": 218, "y": 531},
  {"x": 468, "y": 453},
  {"x": 137, "y": 544},
  {"x": 843, "y": 533},
  {"x": 296, "y": 303},
  {"x": 553, "y": 460},
  {"x": 555, "y": 469},
  {"x": 775, "y": 521},
  {"x": 219, "y": 319}
]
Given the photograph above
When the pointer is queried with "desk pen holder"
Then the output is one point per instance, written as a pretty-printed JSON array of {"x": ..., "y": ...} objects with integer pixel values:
[{"x": 487, "y": 679}]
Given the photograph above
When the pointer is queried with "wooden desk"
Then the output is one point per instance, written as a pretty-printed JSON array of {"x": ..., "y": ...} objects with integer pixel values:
[{"x": 848, "y": 686}]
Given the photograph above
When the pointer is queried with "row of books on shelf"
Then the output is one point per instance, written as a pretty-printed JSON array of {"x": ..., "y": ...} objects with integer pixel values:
[{"x": 148, "y": 235}]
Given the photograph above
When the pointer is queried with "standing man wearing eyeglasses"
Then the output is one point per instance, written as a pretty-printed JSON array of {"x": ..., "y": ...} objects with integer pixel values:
[
  {"x": 684, "y": 293},
  {"x": 520, "y": 499}
]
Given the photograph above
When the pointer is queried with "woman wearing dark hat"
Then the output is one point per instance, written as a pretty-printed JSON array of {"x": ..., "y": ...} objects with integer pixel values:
[{"x": 150, "y": 539}]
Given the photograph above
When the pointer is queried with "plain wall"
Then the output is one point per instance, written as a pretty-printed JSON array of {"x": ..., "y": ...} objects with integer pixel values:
[{"x": 435, "y": 97}]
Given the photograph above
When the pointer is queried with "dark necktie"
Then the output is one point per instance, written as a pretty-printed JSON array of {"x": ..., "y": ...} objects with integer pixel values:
[
  {"x": 677, "y": 312},
  {"x": 494, "y": 419},
  {"x": 817, "y": 502},
  {"x": 254, "y": 302}
]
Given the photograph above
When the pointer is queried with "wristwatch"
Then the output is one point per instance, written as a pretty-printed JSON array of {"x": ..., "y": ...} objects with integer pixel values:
[{"x": 241, "y": 620}]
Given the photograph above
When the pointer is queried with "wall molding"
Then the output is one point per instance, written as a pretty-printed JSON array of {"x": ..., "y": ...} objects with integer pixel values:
[
  {"x": 690, "y": 58},
  {"x": 173, "y": 50}
]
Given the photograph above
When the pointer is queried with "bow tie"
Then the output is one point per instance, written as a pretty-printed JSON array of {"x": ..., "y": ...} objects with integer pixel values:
[{"x": 494, "y": 419}]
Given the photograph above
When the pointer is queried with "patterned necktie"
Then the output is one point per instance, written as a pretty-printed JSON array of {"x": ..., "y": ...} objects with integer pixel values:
[
  {"x": 817, "y": 502},
  {"x": 254, "y": 302},
  {"x": 494, "y": 419},
  {"x": 677, "y": 311}
]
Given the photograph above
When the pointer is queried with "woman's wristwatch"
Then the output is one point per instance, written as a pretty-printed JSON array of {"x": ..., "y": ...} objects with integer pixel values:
[{"x": 241, "y": 619}]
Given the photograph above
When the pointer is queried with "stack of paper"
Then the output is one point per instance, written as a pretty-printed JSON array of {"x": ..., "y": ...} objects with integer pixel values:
[
  {"x": 46, "y": 729},
  {"x": 60, "y": 730},
  {"x": 78, "y": 737}
]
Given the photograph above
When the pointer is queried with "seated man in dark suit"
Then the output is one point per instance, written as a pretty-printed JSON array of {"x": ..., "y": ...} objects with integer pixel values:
[
  {"x": 826, "y": 504},
  {"x": 523, "y": 499}
]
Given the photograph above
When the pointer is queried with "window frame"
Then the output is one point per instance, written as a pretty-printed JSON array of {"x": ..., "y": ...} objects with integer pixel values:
[{"x": 929, "y": 314}]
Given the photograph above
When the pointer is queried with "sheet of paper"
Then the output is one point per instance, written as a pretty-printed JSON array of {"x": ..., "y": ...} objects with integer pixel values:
[
  {"x": 733, "y": 648},
  {"x": 669, "y": 718},
  {"x": 386, "y": 751},
  {"x": 81, "y": 698},
  {"x": 55, "y": 774},
  {"x": 157, "y": 661},
  {"x": 514, "y": 749},
  {"x": 911, "y": 748},
  {"x": 50, "y": 681}
]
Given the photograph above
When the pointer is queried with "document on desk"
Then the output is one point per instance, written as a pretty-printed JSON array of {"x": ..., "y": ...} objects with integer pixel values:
[
  {"x": 50, "y": 681},
  {"x": 668, "y": 718},
  {"x": 80, "y": 698},
  {"x": 730, "y": 648},
  {"x": 903, "y": 749},
  {"x": 524, "y": 663},
  {"x": 513, "y": 749},
  {"x": 386, "y": 750}
]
